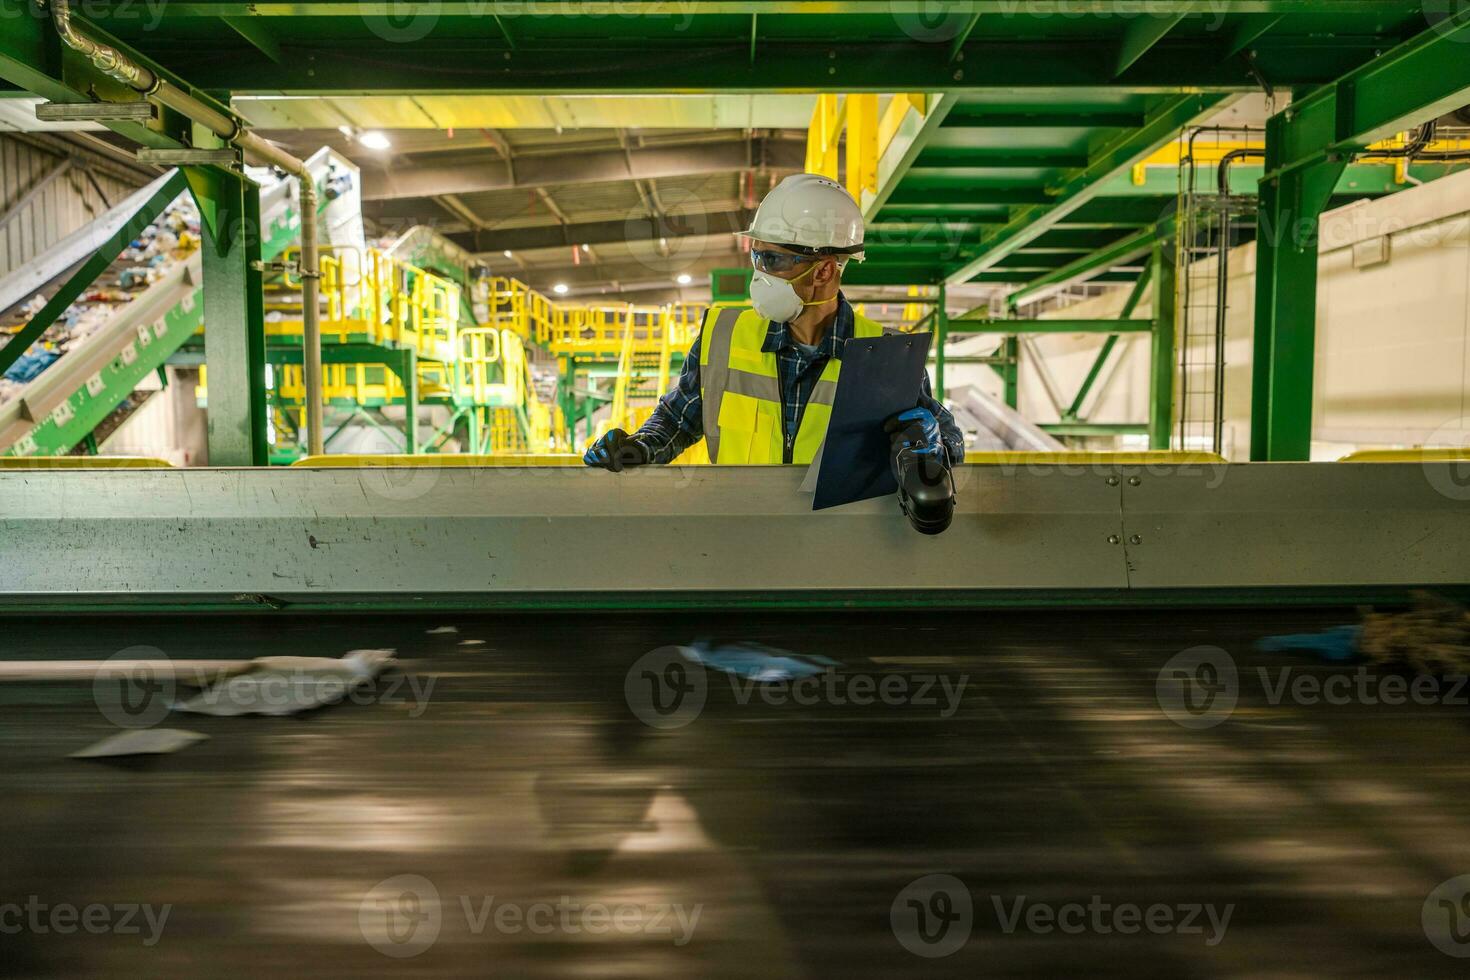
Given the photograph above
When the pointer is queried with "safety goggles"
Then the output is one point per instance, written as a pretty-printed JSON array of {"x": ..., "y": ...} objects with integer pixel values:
[{"x": 775, "y": 263}]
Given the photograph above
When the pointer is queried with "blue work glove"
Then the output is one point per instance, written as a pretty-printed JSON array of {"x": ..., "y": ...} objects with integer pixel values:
[
  {"x": 616, "y": 451},
  {"x": 916, "y": 430}
]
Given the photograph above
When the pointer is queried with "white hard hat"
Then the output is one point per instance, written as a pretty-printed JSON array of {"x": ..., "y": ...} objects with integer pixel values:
[{"x": 809, "y": 211}]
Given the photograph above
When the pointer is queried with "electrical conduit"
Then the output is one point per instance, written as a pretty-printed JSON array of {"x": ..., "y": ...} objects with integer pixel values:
[{"x": 116, "y": 65}]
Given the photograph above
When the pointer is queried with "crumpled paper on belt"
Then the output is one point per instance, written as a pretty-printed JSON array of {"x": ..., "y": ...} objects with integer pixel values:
[{"x": 289, "y": 685}]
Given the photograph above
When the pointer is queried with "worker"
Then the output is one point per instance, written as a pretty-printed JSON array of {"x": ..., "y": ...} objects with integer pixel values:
[{"x": 780, "y": 359}]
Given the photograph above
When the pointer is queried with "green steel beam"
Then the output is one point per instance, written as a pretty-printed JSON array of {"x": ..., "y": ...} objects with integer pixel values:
[
  {"x": 478, "y": 65},
  {"x": 941, "y": 335},
  {"x": 1123, "y": 250},
  {"x": 1359, "y": 180},
  {"x": 1141, "y": 34},
  {"x": 604, "y": 9},
  {"x": 33, "y": 58},
  {"x": 1161, "y": 361},
  {"x": 1074, "y": 411},
  {"x": 254, "y": 30},
  {"x": 965, "y": 325},
  {"x": 1074, "y": 117},
  {"x": 1286, "y": 305},
  {"x": 931, "y": 191},
  {"x": 1116, "y": 155},
  {"x": 91, "y": 269},
  {"x": 1307, "y": 150},
  {"x": 1249, "y": 30},
  {"x": 987, "y": 158},
  {"x": 234, "y": 315},
  {"x": 1010, "y": 371},
  {"x": 906, "y": 146},
  {"x": 1421, "y": 79},
  {"x": 1096, "y": 428},
  {"x": 956, "y": 49}
]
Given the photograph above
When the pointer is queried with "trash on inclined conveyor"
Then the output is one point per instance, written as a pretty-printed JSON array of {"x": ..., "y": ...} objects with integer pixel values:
[{"x": 288, "y": 685}]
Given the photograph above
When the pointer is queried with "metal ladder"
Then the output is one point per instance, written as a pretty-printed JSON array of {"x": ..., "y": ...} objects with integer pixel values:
[{"x": 1209, "y": 225}]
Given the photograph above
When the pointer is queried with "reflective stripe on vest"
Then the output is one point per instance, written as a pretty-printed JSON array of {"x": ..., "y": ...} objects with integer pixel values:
[{"x": 741, "y": 390}]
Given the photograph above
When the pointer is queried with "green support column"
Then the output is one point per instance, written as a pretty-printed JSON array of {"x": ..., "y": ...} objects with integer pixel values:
[
  {"x": 941, "y": 334},
  {"x": 1011, "y": 370},
  {"x": 234, "y": 315},
  {"x": 1161, "y": 395},
  {"x": 1286, "y": 301},
  {"x": 408, "y": 373}
]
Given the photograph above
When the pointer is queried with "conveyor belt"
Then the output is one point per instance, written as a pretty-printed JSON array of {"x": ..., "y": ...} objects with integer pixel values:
[{"x": 792, "y": 827}]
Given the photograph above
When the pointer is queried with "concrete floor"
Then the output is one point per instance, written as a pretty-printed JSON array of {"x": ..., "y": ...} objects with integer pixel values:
[{"x": 548, "y": 832}]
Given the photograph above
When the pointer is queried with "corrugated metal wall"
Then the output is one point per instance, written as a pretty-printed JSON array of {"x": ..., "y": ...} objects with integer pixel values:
[{"x": 62, "y": 207}]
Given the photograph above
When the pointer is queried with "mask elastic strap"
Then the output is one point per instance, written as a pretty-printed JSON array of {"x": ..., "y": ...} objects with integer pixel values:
[{"x": 815, "y": 302}]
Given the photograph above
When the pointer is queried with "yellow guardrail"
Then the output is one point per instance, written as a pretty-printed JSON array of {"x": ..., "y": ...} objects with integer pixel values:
[
  {"x": 446, "y": 459},
  {"x": 372, "y": 298},
  {"x": 868, "y": 135},
  {"x": 83, "y": 463},
  {"x": 1450, "y": 455},
  {"x": 1081, "y": 458}
]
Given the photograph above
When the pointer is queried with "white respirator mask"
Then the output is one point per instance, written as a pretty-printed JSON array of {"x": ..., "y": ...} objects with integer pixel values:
[{"x": 776, "y": 299}]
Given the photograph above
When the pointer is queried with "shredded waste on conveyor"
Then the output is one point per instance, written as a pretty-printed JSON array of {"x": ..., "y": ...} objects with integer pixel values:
[{"x": 162, "y": 245}]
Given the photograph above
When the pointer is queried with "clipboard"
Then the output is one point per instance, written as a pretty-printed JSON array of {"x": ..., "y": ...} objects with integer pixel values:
[{"x": 881, "y": 376}]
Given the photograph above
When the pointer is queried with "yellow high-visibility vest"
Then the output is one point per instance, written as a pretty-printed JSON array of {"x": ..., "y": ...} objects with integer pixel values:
[{"x": 741, "y": 391}]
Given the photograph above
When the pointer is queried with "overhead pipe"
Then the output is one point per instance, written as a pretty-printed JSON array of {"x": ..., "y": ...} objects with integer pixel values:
[{"x": 140, "y": 78}]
